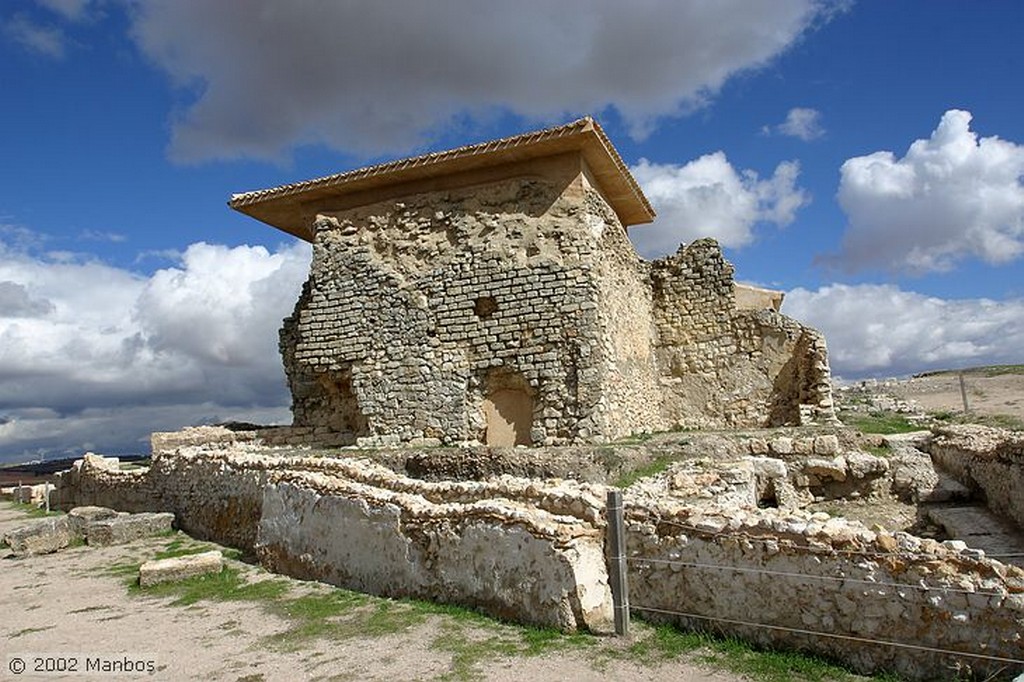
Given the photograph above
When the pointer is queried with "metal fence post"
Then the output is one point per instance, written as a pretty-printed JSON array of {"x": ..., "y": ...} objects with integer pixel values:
[{"x": 617, "y": 562}]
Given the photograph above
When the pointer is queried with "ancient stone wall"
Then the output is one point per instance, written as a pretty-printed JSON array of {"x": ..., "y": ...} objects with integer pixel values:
[
  {"x": 400, "y": 335},
  {"x": 721, "y": 366},
  {"x": 631, "y": 395},
  {"x": 808, "y": 572},
  {"x": 99, "y": 481},
  {"x": 515, "y": 548},
  {"x": 987, "y": 460}
]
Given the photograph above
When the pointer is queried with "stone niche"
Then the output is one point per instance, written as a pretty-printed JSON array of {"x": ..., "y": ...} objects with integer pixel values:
[{"x": 490, "y": 294}]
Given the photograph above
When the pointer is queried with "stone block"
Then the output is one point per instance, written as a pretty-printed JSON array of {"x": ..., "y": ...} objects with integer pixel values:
[
  {"x": 179, "y": 568},
  {"x": 803, "y": 446},
  {"x": 781, "y": 446},
  {"x": 79, "y": 518},
  {"x": 42, "y": 537},
  {"x": 834, "y": 469},
  {"x": 826, "y": 445},
  {"x": 128, "y": 527}
]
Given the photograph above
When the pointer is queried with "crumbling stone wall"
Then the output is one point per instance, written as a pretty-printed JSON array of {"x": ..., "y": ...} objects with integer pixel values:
[
  {"x": 722, "y": 366},
  {"x": 532, "y": 551},
  {"x": 418, "y": 308},
  {"x": 987, "y": 460},
  {"x": 805, "y": 571}
]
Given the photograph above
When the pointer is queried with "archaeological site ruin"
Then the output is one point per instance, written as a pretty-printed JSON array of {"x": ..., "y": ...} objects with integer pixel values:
[
  {"x": 479, "y": 360},
  {"x": 491, "y": 294}
]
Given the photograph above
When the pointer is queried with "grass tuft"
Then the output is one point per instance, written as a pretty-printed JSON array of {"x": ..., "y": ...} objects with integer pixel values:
[
  {"x": 884, "y": 423},
  {"x": 655, "y": 466}
]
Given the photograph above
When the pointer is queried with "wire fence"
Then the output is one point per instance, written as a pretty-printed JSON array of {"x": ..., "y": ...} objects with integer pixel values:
[{"x": 638, "y": 564}]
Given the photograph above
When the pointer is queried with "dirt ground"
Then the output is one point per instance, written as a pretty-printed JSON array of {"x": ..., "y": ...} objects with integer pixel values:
[
  {"x": 69, "y": 604},
  {"x": 1002, "y": 394}
]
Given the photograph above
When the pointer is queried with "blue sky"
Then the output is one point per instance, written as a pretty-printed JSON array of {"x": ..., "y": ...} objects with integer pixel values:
[{"x": 864, "y": 157}]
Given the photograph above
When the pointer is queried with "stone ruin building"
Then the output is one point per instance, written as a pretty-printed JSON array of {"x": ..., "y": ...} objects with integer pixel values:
[{"x": 490, "y": 294}]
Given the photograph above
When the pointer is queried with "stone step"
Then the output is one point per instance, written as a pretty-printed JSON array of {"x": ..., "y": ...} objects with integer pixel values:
[{"x": 981, "y": 529}]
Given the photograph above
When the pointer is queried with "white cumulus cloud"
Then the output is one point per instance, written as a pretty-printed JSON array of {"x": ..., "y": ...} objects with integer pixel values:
[
  {"x": 86, "y": 348},
  {"x": 950, "y": 197},
  {"x": 262, "y": 76},
  {"x": 708, "y": 197},
  {"x": 882, "y": 330}
]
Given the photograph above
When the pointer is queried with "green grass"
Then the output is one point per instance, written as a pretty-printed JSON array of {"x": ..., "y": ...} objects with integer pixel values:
[
  {"x": 228, "y": 585},
  {"x": 28, "y": 631},
  {"x": 655, "y": 466},
  {"x": 879, "y": 450},
  {"x": 656, "y": 644},
  {"x": 885, "y": 423}
]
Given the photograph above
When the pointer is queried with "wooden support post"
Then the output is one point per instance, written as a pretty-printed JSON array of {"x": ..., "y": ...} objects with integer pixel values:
[
  {"x": 617, "y": 562},
  {"x": 963, "y": 394}
]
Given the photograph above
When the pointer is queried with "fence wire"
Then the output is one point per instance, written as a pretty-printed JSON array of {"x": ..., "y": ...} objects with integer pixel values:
[
  {"x": 704, "y": 532},
  {"x": 833, "y": 635},
  {"x": 809, "y": 576}
]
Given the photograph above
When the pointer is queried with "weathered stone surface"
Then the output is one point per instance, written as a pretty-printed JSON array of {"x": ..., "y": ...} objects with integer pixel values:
[
  {"x": 505, "y": 305},
  {"x": 41, "y": 537},
  {"x": 987, "y": 459},
  {"x": 826, "y": 445},
  {"x": 128, "y": 527},
  {"x": 80, "y": 517},
  {"x": 517, "y": 564},
  {"x": 914, "y": 478},
  {"x": 531, "y": 550},
  {"x": 179, "y": 568}
]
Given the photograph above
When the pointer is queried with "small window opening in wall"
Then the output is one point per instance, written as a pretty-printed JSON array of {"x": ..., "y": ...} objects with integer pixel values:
[{"x": 485, "y": 306}]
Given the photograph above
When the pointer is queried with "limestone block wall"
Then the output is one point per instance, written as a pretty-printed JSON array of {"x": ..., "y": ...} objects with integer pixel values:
[
  {"x": 802, "y": 571},
  {"x": 987, "y": 459},
  {"x": 419, "y": 309},
  {"x": 721, "y": 366}
]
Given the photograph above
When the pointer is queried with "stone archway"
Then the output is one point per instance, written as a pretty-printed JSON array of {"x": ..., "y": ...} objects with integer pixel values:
[{"x": 508, "y": 409}]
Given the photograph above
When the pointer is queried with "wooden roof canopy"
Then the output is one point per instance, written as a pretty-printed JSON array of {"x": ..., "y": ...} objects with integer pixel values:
[{"x": 282, "y": 207}]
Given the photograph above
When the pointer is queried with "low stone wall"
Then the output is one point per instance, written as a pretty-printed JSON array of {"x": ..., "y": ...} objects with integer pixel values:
[
  {"x": 987, "y": 459},
  {"x": 99, "y": 481},
  {"x": 519, "y": 549},
  {"x": 802, "y": 572},
  {"x": 519, "y": 564}
]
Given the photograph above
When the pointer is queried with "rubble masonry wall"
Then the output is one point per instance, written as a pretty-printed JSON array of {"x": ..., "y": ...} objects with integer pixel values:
[
  {"x": 985, "y": 459},
  {"x": 416, "y": 308},
  {"x": 721, "y": 366}
]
